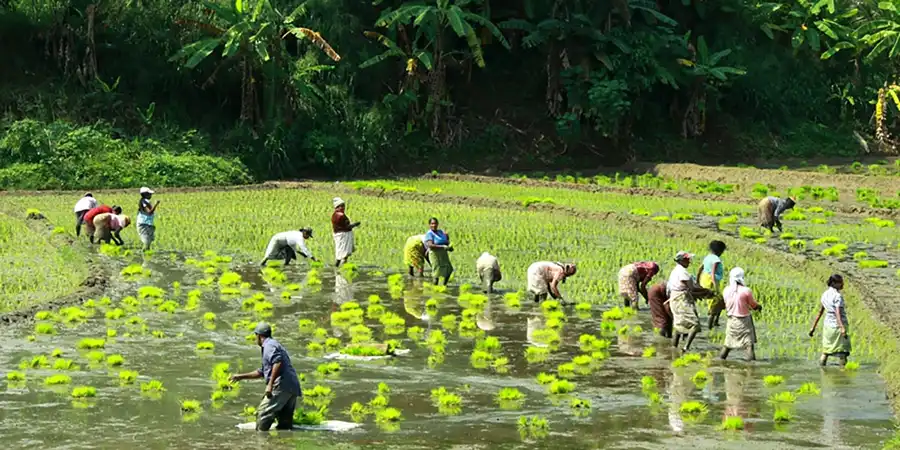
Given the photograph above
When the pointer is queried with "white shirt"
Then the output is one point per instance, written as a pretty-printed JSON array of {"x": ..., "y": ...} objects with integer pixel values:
[
  {"x": 295, "y": 240},
  {"x": 676, "y": 281},
  {"x": 85, "y": 203},
  {"x": 487, "y": 261}
]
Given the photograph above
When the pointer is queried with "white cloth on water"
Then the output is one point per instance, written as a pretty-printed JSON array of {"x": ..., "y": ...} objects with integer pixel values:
[
  {"x": 292, "y": 239},
  {"x": 344, "y": 244},
  {"x": 676, "y": 283},
  {"x": 85, "y": 203}
]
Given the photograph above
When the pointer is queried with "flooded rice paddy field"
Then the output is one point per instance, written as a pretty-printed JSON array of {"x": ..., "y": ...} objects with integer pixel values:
[{"x": 625, "y": 411}]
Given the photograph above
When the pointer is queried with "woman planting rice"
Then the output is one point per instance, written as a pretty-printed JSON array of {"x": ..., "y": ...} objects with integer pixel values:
[
  {"x": 739, "y": 331},
  {"x": 488, "y": 268},
  {"x": 90, "y": 215},
  {"x": 544, "y": 278},
  {"x": 660, "y": 312},
  {"x": 771, "y": 209},
  {"x": 710, "y": 275},
  {"x": 835, "y": 338},
  {"x": 287, "y": 244},
  {"x": 344, "y": 242},
  {"x": 438, "y": 244},
  {"x": 633, "y": 280},
  {"x": 107, "y": 227},
  {"x": 415, "y": 255},
  {"x": 682, "y": 289}
]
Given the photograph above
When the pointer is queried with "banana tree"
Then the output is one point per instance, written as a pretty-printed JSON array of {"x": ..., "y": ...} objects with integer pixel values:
[
  {"x": 251, "y": 34},
  {"x": 432, "y": 19},
  {"x": 707, "y": 74},
  {"x": 808, "y": 23}
]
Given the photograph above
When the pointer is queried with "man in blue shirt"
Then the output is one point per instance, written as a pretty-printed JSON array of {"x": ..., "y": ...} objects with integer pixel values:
[{"x": 282, "y": 385}]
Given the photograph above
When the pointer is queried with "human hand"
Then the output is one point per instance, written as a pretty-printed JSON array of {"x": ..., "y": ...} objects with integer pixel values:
[
  {"x": 812, "y": 331},
  {"x": 234, "y": 379},
  {"x": 354, "y": 225},
  {"x": 843, "y": 332},
  {"x": 268, "y": 391}
]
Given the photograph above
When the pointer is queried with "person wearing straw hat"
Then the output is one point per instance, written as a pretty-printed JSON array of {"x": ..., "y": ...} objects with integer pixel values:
[
  {"x": 82, "y": 206},
  {"x": 344, "y": 242},
  {"x": 739, "y": 330},
  {"x": 771, "y": 209},
  {"x": 282, "y": 384},
  {"x": 287, "y": 244},
  {"x": 682, "y": 290},
  {"x": 544, "y": 278},
  {"x": 146, "y": 218}
]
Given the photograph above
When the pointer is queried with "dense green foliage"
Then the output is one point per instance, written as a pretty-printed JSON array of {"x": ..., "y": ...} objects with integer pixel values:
[{"x": 348, "y": 87}]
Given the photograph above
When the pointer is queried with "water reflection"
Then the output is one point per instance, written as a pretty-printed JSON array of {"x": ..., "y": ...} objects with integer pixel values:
[{"x": 343, "y": 289}]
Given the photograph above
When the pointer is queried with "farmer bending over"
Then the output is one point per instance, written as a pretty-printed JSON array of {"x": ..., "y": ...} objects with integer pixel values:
[
  {"x": 282, "y": 385},
  {"x": 544, "y": 278},
  {"x": 89, "y": 216},
  {"x": 82, "y": 206},
  {"x": 287, "y": 244},
  {"x": 488, "y": 271}
]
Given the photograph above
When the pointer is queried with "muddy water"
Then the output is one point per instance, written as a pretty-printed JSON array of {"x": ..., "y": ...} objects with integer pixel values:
[{"x": 850, "y": 413}]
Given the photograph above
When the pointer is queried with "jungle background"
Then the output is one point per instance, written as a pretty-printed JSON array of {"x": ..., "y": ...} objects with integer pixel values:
[{"x": 117, "y": 93}]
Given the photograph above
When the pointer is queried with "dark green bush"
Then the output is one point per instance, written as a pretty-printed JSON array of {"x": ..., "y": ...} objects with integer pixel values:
[{"x": 59, "y": 155}]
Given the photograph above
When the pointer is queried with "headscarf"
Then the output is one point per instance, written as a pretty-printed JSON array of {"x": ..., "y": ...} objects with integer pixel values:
[
  {"x": 650, "y": 267},
  {"x": 735, "y": 278},
  {"x": 682, "y": 255},
  {"x": 337, "y": 201}
]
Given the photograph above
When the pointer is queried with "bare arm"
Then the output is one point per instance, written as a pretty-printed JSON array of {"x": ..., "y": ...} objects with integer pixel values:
[
  {"x": 837, "y": 314},
  {"x": 554, "y": 286},
  {"x": 816, "y": 322},
  {"x": 643, "y": 290},
  {"x": 246, "y": 376},
  {"x": 431, "y": 245},
  {"x": 715, "y": 268}
]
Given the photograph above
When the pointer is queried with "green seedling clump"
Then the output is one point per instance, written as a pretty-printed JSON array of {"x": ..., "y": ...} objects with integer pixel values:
[
  {"x": 851, "y": 366},
  {"x": 127, "y": 377},
  {"x": 388, "y": 415},
  {"x": 64, "y": 364},
  {"x": 545, "y": 378},
  {"x": 733, "y": 423},
  {"x": 190, "y": 406},
  {"x": 561, "y": 387},
  {"x": 205, "y": 345},
  {"x": 152, "y": 386},
  {"x": 44, "y": 328},
  {"x": 649, "y": 352},
  {"x": 773, "y": 380},
  {"x": 91, "y": 343},
  {"x": 115, "y": 360},
  {"x": 809, "y": 389},
  {"x": 57, "y": 379},
  {"x": 329, "y": 369},
  {"x": 693, "y": 408},
  {"x": 782, "y": 415},
  {"x": 873, "y": 264},
  {"x": 84, "y": 392},
  {"x": 15, "y": 376},
  {"x": 510, "y": 395},
  {"x": 700, "y": 378},
  {"x": 783, "y": 397}
]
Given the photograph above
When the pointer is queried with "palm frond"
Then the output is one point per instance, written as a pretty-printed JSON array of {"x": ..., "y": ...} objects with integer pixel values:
[{"x": 317, "y": 39}]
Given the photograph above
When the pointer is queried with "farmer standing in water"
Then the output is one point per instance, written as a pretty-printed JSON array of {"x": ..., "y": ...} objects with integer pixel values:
[
  {"x": 344, "y": 242},
  {"x": 282, "y": 385},
  {"x": 146, "y": 218}
]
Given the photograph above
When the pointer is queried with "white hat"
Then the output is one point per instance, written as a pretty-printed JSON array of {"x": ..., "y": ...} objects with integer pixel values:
[
  {"x": 337, "y": 202},
  {"x": 146, "y": 190},
  {"x": 736, "y": 276}
]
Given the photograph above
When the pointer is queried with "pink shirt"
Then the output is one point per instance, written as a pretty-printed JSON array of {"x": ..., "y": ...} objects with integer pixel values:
[
  {"x": 739, "y": 302},
  {"x": 115, "y": 223}
]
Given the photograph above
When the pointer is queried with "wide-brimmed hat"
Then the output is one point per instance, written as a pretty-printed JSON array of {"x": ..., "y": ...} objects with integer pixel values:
[
  {"x": 683, "y": 255},
  {"x": 337, "y": 201},
  {"x": 146, "y": 190}
]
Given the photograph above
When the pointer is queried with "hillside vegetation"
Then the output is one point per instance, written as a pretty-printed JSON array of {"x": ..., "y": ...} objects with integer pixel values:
[{"x": 119, "y": 93}]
